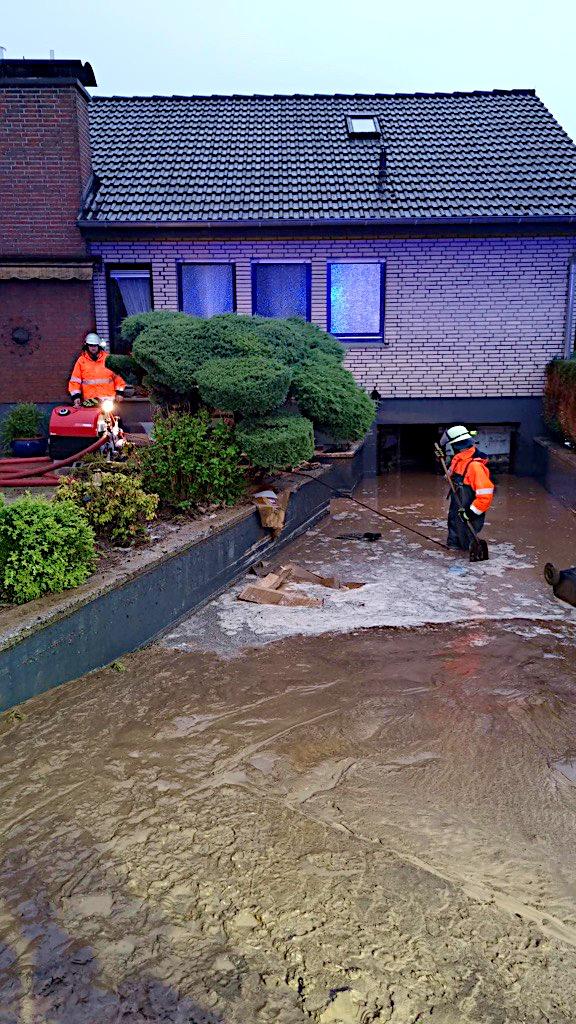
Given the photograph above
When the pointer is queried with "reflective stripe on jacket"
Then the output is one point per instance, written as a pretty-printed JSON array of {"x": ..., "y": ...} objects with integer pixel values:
[
  {"x": 91, "y": 378},
  {"x": 473, "y": 472}
]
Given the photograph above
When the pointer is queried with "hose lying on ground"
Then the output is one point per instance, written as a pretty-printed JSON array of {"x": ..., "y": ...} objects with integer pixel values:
[
  {"x": 42, "y": 475},
  {"x": 369, "y": 508}
]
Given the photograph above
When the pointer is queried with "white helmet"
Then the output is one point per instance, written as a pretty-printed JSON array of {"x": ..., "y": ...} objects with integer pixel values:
[
  {"x": 456, "y": 435},
  {"x": 94, "y": 339}
]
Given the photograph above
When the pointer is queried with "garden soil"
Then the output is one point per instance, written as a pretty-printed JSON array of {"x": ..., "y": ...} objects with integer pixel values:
[{"x": 364, "y": 812}]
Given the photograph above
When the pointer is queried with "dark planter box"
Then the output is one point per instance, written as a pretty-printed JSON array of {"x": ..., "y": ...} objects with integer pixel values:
[
  {"x": 555, "y": 468},
  {"x": 346, "y": 468}
]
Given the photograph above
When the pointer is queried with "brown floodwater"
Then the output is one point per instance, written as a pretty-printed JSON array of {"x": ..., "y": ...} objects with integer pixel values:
[{"x": 366, "y": 814}]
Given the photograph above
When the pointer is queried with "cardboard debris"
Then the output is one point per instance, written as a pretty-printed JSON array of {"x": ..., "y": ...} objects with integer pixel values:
[
  {"x": 272, "y": 508},
  {"x": 270, "y": 588}
]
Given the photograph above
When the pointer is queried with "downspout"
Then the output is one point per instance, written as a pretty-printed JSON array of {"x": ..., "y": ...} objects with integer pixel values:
[{"x": 570, "y": 325}]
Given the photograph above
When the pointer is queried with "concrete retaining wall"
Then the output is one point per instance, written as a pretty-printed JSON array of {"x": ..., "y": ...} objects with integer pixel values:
[{"x": 94, "y": 631}]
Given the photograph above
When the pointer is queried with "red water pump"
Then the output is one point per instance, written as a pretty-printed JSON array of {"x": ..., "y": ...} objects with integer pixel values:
[
  {"x": 72, "y": 429},
  {"x": 72, "y": 433}
]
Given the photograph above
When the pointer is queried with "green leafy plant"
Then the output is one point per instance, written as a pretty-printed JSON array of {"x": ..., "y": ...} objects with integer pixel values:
[
  {"x": 193, "y": 462},
  {"x": 45, "y": 547},
  {"x": 328, "y": 394},
  {"x": 278, "y": 441},
  {"x": 25, "y": 420},
  {"x": 244, "y": 384},
  {"x": 116, "y": 506}
]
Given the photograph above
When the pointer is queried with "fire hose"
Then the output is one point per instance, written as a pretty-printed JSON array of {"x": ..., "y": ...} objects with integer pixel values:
[{"x": 40, "y": 472}]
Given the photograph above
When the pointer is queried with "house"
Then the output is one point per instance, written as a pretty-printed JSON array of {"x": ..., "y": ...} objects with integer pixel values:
[{"x": 434, "y": 234}]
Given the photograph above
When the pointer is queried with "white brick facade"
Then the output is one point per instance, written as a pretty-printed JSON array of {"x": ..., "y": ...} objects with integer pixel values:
[{"x": 464, "y": 317}]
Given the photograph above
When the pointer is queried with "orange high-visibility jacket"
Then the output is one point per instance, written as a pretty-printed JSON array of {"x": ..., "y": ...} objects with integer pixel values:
[
  {"x": 91, "y": 378},
  {"x": 475, "y": 473}
]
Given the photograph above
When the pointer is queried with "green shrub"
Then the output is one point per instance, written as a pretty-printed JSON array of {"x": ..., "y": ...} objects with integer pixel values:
[
  {"x": 244, "y": 384},
  {"x": 278, "y": 441},
  {"x": 329, "y": 395},
  {"x": 192, "y": 462},
  {"x": 125, "y": 366},
  {"x": 115, "y": 505},
  {"x": 25, "y": 420},
  {"x": 45, "y": 547}
]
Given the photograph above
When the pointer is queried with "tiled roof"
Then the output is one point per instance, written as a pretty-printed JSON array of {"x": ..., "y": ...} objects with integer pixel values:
[{"x": 204, "y": 159}]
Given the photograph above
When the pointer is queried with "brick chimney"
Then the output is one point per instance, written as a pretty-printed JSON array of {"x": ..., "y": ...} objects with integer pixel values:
[
  {"x": 46, "y": 303},
  {"x": 45, "y": 158}
]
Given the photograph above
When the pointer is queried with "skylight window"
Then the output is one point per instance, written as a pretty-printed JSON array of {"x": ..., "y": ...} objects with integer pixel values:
[{"x": 362, "y": 126}]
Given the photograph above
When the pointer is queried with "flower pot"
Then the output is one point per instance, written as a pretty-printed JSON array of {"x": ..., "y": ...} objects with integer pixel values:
[{"x": 29, "y": 447}]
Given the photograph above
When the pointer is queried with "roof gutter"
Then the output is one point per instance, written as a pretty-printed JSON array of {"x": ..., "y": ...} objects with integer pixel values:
[{"x": 87, "y": 225}]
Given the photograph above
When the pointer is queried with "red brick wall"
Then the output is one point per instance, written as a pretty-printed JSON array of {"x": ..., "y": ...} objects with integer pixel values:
[
  {"x": 57, "y": 314},
  {"x": 44, "y": 168}
]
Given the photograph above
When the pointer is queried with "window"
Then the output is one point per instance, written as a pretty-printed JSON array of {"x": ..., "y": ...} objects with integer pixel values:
[
  {"x": 362, "y": 126},
  {"x": 207, "y": 288},
  {"x": 129, "y": 292},
  {"x": 356, "y": 301},
  {"x": 281, "y": 289}
]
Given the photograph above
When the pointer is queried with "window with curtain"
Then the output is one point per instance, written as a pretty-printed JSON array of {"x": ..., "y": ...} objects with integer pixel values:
[
  {"x": 355, "y": 300},
  {"x": 207, "y": 288},
  {"x": 129, "y": 292},
  {"x": 281, "y": 289}
]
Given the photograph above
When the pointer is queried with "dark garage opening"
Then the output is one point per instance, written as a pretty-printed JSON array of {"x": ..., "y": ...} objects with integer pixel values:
[{"x": 410, "y": 446}]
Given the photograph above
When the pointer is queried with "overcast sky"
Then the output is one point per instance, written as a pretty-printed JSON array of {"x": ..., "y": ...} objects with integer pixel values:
[{"x": 137, "y": 47}]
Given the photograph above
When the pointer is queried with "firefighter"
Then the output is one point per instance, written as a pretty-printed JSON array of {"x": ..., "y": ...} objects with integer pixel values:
[
  {"x": 91, "y": 379},
  {"x": 471, "y": 476}
]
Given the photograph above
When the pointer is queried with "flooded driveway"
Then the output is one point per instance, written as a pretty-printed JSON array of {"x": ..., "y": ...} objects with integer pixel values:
[{"x": 364, "y": 812}]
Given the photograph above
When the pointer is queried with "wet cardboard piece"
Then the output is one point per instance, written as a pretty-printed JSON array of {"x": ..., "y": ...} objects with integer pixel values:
[{"x": 269, "y": 590}]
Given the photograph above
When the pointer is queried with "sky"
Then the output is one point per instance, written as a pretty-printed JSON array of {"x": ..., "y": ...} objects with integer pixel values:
[{"x": 137, "y": 47}]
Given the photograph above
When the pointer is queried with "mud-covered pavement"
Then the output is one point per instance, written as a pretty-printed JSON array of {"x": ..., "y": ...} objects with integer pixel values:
[{"x": 333, "y": 824}]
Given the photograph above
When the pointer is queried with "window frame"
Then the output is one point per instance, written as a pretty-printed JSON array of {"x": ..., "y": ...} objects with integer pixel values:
[
  {"x": 374, "y": 133},
  {"x": 283, "y": 263},
  {"x": 206, "y": 263},
  {"x": 357, "y": 338},
  {"x": 109, "y": 268}
]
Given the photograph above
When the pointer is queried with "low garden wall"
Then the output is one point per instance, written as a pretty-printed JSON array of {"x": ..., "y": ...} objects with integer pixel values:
[
  {"x": 555, "y": 468},
  {"x": 61, "y": 637}
]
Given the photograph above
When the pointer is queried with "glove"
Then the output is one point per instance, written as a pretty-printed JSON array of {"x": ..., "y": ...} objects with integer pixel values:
[
  {"x": 77, "y": 403},
  {"x": 463, "y": 514}
]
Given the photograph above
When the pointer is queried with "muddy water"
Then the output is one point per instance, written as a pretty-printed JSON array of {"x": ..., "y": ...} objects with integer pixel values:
[{"x": 345, "y": 825}]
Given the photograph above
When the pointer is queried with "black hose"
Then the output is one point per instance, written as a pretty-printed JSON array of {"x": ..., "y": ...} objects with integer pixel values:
[{"x": 389, "y": 519}]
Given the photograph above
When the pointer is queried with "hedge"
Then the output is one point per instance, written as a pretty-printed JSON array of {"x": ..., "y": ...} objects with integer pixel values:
[{"x": 560, "y": 398}]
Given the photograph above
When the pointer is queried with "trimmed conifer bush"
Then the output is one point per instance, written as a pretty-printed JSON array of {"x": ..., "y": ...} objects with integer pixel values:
[
  {"x": 250, "y": 365},
  {"x": 328, "y": 394},
  {"x": 278, "y": 441},
  {"x": 247, "y": 385}
]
